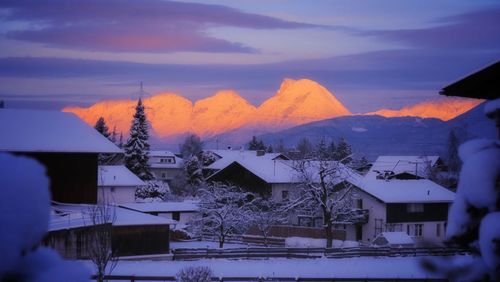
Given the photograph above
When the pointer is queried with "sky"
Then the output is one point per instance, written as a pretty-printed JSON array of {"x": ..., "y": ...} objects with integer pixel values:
[{"x": 370, "y": 54}]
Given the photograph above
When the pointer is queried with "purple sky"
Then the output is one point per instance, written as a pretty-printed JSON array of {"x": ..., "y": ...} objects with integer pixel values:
[{"x": 370, "y": 54}]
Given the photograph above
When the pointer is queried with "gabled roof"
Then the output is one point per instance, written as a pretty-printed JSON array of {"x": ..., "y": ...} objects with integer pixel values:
[
  {"x": 229, "y": 156},
  {"x": 50, "y": 131},
  {"x": 403, "y": 164},
  {"x": 117, "y": 175},
  {"x": 67, "y": 216},
  {"x": 406, "y": 191},
  {"x": 483, "y": 84},
  {"x": 282, "y": 171},
  {"x": 185, "y": 206}
]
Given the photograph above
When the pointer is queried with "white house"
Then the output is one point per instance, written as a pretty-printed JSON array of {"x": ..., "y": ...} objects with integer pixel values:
[
  {"x": 117, "y": 184},
  {"x": 404, "y": 167},
  {"x": 418, "y": 207},
  {"x": 226, "y": 157},
  {"x": 165, "y": 165}
]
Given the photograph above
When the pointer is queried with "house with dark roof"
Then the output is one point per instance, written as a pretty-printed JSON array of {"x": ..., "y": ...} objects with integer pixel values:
[{"x": 66, "y": 145}]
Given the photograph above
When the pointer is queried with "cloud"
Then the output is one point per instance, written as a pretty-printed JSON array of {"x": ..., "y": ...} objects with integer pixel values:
[
  {"x": 134, "y": 26},
  {"x": 478, "y": 30}
]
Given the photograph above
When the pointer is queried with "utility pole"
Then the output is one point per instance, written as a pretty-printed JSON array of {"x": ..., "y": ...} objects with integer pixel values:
[{"x": 416, "y": 168}]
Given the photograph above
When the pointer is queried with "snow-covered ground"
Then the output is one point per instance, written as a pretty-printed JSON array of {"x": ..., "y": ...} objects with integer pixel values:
[{"x": 393, "y": 267}]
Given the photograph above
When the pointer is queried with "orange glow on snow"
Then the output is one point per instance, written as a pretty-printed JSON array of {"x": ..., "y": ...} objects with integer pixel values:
[
  {"x": 443, "y": 109},
  {"x": 296, "y": 102}
]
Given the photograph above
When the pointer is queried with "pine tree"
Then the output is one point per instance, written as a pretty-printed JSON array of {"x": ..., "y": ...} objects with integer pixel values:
[
  {"x": 304, "y": 147},
  {"x": 137, "y": 146},
  {"x": 452, "y": 155},
  {"x": 120, "y": 141},
  {"x": 101, "y": 127},
  {"x": 331, "y": 149},
  {"x": 2, "y": 104},
  {"x": 269, "y": 149},
  {"x": 343, "y": 152},
  {"x": 256, "y": 144},
  {"x": 112, "y": 136},
  {"x": 322, "y": 150},
  {"x": 192, "y": 146}
]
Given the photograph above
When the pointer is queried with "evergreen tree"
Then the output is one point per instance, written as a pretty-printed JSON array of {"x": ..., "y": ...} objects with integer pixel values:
[
  {"x": 269, "y": 149},
  {"x": 256, "y": 144},
  {"x": 280, "y": 148},
  {"x": 452, "y": 155},
  {"x": 120, "y": 140},
  {"x": 304, "y": 147},
  {"x": 112, "y": 136},
  {"x": 192, "y": 146},
  {"x": 343, "y": 152},
  {"x": 331, "y": 149},
  {"x": 322, "y": 150},
  {"x": 137, "y": 146},
  {"x": 2, "y": 104},
  {"x": 101, "y": 127}
]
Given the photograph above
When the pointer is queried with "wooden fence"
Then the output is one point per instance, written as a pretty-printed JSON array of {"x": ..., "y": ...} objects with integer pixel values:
[
  {"x": 272, "y": 252},
  {"x": 274, "y": 279}
]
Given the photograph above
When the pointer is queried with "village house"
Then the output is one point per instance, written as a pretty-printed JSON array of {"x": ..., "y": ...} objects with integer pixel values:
[
  {"x": 165, "y": 165},
  {"x": 116, "y": 184},
  {"x": 63, "y": 143},
  {"x": 225, "y": 157},
  {"x": 133, "y": 233},
  {"x": 418, "y": 207}
]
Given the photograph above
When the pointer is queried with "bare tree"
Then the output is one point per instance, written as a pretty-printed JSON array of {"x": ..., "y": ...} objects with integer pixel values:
[
  {"x": 100, "y": 249},
  {"x": 195, "y": 274},
  {"x": 325, "y": 188},
  {"x": 265, "y": 214},
  {"x": 224, "y": 211}
]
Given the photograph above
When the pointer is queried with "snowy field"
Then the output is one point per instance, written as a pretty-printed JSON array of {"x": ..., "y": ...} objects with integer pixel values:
[{"x": 394, "y": 267}]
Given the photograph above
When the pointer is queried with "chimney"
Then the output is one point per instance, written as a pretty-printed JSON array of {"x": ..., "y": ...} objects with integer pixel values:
[{"x": 260, "y": 153}]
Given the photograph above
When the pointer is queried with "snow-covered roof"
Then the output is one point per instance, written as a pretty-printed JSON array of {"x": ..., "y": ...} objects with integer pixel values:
[
  {"x": 229, "y": 156},
  {"x": 67, "y": 216},
  {"x": 154, "y": 155},
  {"x": 406, "y": 191},
  {"x": 397, "y": 238},
  {"x": 282, "y": 171},
  {"x": 50, "y": 131},
  {"x": 402, "y": 164},
  {"x": 117, "y": 175},
  {"x": 185, "y": 206}
]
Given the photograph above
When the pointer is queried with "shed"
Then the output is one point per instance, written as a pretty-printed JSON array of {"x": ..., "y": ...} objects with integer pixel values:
[{"x": 66, "y": 145}]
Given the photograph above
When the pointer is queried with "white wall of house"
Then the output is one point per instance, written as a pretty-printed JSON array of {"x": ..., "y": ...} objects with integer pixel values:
[
  {"x": 429, "y": 231},
  {"x": 280, "y": 189},
  {"x": 165, "y": 174},
  {"x": 117, "y": 195},
  {"x": 376, "y": 211},
  {"x": 184, "y": 217}
]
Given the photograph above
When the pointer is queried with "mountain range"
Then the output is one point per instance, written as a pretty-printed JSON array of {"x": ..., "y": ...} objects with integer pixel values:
[{"x": 226, "y": 113}]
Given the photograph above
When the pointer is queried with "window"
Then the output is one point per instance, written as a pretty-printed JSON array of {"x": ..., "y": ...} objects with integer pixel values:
[
  {"x": 438, "y": 230},
  {"x": 415, "y": 207},
  {"x": 379, "y": 223},
  {"x": 394, "y": 227},
  {"x": 284, "y": 194},
  {"x": 359, "y": 203},
  {"x": 163, "y": 175},
  {"x": 176, "y": 216},
  {"x": 415, "y": 230}
]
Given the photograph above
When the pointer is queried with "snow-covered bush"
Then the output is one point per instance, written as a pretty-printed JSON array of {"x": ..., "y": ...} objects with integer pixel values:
[
  {"x": 24, "y": 217},
  {"x": 195, "y": 274},
  {"x": 473, "y": 219},
  {"x": 153, "y": 191}
]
